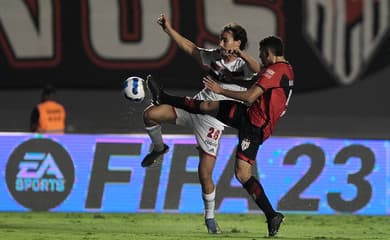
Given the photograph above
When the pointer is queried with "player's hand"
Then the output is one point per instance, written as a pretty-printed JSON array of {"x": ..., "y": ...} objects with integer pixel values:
[
  {"x": 234, "y": 51},
  {"x": 209, "y": 83},
  {"x": 164, "y": 22}
]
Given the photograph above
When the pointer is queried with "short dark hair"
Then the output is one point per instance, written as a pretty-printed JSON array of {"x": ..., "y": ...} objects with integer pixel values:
[
  {"x": 274, "y": 44},
  {"x": 239, "y": 33}
]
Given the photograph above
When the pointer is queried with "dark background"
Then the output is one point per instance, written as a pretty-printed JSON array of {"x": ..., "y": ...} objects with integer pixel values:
[
  {"x": 357, "y": 111},
  {"x": 320, "y": 106}
]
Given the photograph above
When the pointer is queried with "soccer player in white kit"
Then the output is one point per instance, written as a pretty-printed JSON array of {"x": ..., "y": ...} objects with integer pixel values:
[{"x": 234, "y": 69}]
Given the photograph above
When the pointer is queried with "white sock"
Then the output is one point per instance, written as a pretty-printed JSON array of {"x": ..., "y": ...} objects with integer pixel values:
[
  {"x": 209, "y": 204},
  {"x": 155, "y": 135}
]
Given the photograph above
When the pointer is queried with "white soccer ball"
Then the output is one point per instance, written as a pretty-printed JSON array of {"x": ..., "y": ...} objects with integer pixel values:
[{"x": 133, "y": 89}]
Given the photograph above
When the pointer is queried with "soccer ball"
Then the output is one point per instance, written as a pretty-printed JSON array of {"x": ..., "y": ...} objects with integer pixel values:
[{"x": 133, "y": 89}]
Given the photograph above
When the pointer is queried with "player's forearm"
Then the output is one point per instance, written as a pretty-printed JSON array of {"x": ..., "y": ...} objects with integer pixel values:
[
  {"x": 253, "y": 64},
  {"x": 239, "y": 95},
  {"x": 183, "y": 43},
  {"x": 249, "y": 96}
]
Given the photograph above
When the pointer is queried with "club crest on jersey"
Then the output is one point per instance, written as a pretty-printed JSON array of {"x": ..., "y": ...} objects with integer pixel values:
[
  {"x": 269, "y": 73},
  {"x": 345, "y": 34},
  {"x": 245, "y": 144}
]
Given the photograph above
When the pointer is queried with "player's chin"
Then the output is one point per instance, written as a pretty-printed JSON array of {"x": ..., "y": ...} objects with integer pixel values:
[{"x": 223, "y": 54}]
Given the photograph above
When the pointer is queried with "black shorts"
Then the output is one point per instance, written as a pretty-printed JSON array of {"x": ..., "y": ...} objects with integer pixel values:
[{"x": 250, "y": 137}]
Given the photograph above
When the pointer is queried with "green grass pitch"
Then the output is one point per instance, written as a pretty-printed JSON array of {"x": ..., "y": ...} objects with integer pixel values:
[{"x": 95, "y": 226}]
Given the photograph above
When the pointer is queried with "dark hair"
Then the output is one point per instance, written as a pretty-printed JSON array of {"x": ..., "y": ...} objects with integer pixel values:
[
  {"x": 274, "y": 44},
  {"x": 239, "y": 33}
]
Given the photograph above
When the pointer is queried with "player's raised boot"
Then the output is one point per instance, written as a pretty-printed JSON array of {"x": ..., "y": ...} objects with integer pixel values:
[
  {"x": 159, "y": 96},
  {"x": 154, "y": 158},
  {"x": 154, "y": 89},
  {"x": 274, "y": 224},
  {"x": 212, "y": 226}
]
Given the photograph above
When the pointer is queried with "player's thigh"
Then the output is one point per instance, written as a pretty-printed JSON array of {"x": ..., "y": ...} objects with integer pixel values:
[
  {"x": 160, "y": 114},
  {"x": 232, "y": 113},
  {"x": 208, "y": 133},
  {"x": 250, "y": 139},
  {"x": 183, "y": 118}
]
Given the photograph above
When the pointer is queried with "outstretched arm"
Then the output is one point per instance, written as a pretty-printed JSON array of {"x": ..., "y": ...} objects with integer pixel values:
[
  {"x": 249, "y": 96},
  {"x": 183, "y": 43}
]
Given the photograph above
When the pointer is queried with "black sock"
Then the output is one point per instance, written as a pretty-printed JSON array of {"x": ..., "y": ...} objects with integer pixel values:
[
  {"x": 254, "y": 188},
  {"x": 186, "y": 103}
]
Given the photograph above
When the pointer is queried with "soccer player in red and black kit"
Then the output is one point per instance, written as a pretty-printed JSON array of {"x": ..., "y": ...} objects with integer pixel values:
[{"x": 265, "y": 102}]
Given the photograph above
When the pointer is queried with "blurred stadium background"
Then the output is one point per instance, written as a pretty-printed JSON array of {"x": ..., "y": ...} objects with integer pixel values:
[
  {"x": 87, "y": 48},
  {"x": 340, "y": 51}
]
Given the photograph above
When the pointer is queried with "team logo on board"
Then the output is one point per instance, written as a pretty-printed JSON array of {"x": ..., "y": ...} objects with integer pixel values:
[{"x": 345, "y": 35}]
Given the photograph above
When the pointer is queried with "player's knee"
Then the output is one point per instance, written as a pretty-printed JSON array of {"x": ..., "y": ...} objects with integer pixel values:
[
  {"x": 205, "y": 176},
  {"x": 206, "y": 181},
  {"x": 146, "y": 114},
  {"x": 149, "y": 114},
  {"x": 206, "y": 166},
  {"x": 159, "y": 114},
  {"x": 241, "y": 176},
  {"x": 238, "y": 176}
]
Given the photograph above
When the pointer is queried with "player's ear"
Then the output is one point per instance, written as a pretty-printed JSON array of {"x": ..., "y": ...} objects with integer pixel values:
[
  {"x": 239, "y": 43},
  {"x": 267, "y": 52}
]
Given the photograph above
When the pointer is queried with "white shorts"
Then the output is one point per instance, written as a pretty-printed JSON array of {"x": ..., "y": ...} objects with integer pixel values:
[{"x": 207, "y": 129}]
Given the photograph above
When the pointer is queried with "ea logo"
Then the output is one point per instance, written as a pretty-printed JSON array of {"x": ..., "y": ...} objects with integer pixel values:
[{"x": 40, "y": 174}]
